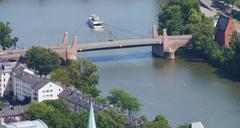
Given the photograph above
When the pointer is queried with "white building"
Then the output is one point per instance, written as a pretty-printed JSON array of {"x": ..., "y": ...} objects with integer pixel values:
[
  {"x": 197, "y": 125},
  {"x": 5, "y": 77},
  {"x": 28, "y": 86},
  {"x": 26, "y": 124}
]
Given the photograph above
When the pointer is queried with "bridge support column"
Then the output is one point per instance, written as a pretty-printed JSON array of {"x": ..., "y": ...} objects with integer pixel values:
[
  {"x": 170, "y": 55},
  {"x": 157, "y": 50}
]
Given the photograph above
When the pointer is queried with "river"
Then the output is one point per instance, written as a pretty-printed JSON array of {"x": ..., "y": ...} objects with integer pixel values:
[{"x": 181, "y": 90}]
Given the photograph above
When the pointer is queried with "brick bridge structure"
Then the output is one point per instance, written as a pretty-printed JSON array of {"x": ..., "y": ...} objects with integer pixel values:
[
  {"x": 64, "y": 50},
  {"x": 162, "y": 45}
]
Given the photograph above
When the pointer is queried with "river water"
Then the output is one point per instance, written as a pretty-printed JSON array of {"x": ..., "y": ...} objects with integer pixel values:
[{"x": 181, "y": 90}]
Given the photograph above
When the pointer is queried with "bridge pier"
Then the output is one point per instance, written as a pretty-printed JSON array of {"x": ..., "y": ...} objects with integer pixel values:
[
  {"x": 170, "y": 55},
  {"x": 158, "y": 50},
  {"x": 162, "y": 49}
]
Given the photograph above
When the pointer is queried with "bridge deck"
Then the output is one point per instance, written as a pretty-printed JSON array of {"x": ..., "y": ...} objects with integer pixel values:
[
  {"x": 125, "y": 43},
  {"x": 118, "y": 44}
]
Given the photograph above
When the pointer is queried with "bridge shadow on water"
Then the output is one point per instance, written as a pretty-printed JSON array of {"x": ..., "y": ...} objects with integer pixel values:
[{"x": 120, "y": 57}]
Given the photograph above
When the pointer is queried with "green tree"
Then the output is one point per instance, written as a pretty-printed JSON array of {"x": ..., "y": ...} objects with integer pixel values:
[
  {"x": 184, "y": 126},
  {"x": 81, "y": 73},
  {"x": 171, "y": 18},
  {"x": 83, "y": 76},
  {"x": 79, "y": 120},
  {"x": 116, "y": 95},
  {"x": 6, "y": 41},
  {"x": 56, "y": 115},
  {"x": 110, "y": 119},
  {"x": 144, "y": 118},
  {"x": 1, "y": 103},
  {"x": 122, "y": 99},
  {"x": 42, "y": 60},
  {"x": 102, "y": 99},
  {"x": 158, "y": 122},
  {"x": 61, "y": 75}
]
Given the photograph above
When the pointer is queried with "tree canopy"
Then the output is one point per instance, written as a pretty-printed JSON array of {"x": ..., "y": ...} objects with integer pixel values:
[
  {"x": 159, "y": 122},
  {"x": 82, "y": 74},
  {"x": 42, "y": 60},
  {"x": 202, "y": 29},
  {"x": 120, "y": 98},
  {"x": 6, "y": 40},
  {"x": 56, "y": 115}
]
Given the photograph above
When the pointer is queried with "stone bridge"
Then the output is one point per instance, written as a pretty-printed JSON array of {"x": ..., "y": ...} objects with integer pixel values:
[{"x": 163, "y": 46}]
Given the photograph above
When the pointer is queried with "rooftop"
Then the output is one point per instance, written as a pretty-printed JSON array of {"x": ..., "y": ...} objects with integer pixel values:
[
  {"x": 80, "y": 99},
  {"x": 7, "y": 66},
  {"x": 12, "y": 111},
  {"x": 197, "y": 125},
  {"x": 36, "y": 81},
  {"x": 222, "y": 23},
  {"x": 77, "y": 97},
  {"x": 26, "y": 124}
]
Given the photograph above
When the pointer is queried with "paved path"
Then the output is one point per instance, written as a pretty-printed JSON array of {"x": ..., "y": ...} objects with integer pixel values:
[{"x": 208, "y": 10}]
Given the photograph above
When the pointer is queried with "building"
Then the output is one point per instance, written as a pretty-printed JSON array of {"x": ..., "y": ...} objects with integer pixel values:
[
  {"x": 225, "y": 29},
  {"x": 11, "y": 114},
  {"x": 28, "y": 86},
  {"x": 26, "y": 124},
  {"x": 196, "y": 125},
  {"x": 6, "y": 68},
  {"x": 78, "y": 102}
]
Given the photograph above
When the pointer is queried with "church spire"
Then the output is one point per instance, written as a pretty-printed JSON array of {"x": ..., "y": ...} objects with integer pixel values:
[{"x": 91, "y": 119}]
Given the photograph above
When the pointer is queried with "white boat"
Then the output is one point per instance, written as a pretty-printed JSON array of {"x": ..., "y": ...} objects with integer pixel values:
[{"x": 95, "y": 22}]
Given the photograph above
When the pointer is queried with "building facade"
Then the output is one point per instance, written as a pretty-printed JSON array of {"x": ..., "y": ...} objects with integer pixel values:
[
  {"x": 225, "y": 29},
  {"x": 6, "y": 69},
  {"x": 28, "y": 86}
]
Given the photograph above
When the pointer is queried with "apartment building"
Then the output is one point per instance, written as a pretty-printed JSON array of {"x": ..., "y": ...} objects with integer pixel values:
[{"x": 28, "y": 86}]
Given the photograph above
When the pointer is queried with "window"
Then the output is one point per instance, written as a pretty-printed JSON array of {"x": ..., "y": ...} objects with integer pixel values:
[
  {"x": 59, "y": 90},
  {"x": 47, "y": 90},
  {"x": 43, "y": 91},
  {"x": 51, "y": 90}
]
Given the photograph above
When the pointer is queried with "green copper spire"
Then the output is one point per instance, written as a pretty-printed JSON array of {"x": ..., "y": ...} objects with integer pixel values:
[{"x": 91, "y": 119}]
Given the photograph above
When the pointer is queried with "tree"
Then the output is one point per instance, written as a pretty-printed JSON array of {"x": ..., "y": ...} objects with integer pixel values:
[
  {"x": 42, "y": 60},
  {"x": 6, "y": 41},
  {"x": 116, "y": 95},
  {"x": 144, "y": 118},
  {"x": 110, "y": 119},
  {"x": 49, "y": 113},
  {"x": 158, "y": 122},
  {"x": 1, "y": 103},
  {"x": 56, "y": 115},
  {"x": 79, "y": 120},
  {"x": 120, "y": 98},
  {"x": 81, "y": 73},
  {"x": 101, "y": 99},
  {"x": 61, "y": 75},
  {"x": 184, "y": 126}
]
